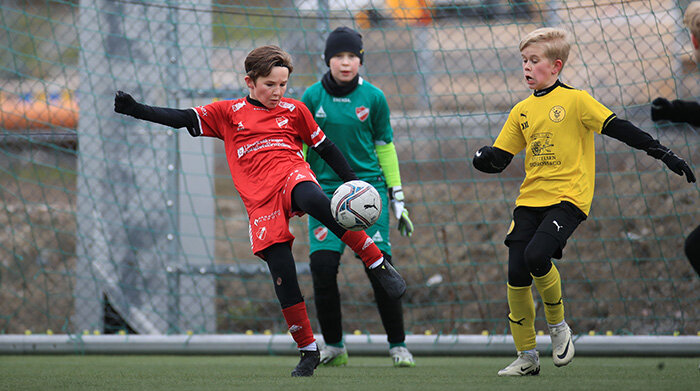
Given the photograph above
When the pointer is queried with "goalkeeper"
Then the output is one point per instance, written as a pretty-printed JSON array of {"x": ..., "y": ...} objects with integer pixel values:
[
  {"x": 555, "y": 126},
  {"x": 354, "y": 114},
  {"x": 688, "y": 112}
]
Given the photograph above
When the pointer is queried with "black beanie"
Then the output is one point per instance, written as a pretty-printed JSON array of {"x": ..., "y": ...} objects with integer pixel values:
[{"x": 343, "y": 39}]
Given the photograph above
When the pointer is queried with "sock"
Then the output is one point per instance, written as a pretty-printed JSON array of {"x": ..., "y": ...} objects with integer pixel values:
[
  {"x": 299, "y": 325},
  {"x": 522, "y": 317},
  {"x": 551, "y": 326},
  {"x": 310, "y": 347},
  {"x": 531, "y": 352},
  {"x": 337, "y": 345},
  {"x": 549, "y": 287},
  {"x": 393, "y": 345},
  {"x": 363, "y": 246}
]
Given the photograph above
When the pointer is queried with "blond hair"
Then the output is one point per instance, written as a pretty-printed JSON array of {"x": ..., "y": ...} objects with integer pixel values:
[
  {"x": 555, "y": 42},
  {"x": 261, "y": 60},
  {"x": 691, "y": 18}
]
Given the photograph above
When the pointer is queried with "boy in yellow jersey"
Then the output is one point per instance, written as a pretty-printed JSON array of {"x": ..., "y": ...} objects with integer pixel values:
[
  {"x": 688, "y": 112},
  {"x": 555, "y": 126}
]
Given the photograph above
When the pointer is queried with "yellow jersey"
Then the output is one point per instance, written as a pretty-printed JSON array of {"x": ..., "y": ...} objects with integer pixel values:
[{"x": 556, "y": 128}]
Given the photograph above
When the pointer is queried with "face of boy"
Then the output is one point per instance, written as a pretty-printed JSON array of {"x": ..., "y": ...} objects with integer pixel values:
[
  {"x": 540, "y": 72},
  {"x": 269, "y": 89},
  {"x": 344, "y": 67}
]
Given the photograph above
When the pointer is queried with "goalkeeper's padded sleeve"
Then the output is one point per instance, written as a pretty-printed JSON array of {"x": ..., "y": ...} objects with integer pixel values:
[
  {"x": 389, "y": 161},
  {"x": 176, "y": 118},
  {"x": 675, "y": 111},
  {"x": 331, "y": 154},
  {"x": 491, "y": 160},
  {"x": 631, "y": 135}
]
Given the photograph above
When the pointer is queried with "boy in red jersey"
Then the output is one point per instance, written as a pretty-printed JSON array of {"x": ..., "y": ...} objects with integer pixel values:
[{"x": 263, "y": 135}]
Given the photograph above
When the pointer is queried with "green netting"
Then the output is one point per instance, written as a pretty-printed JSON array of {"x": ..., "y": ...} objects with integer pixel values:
[{"x": 113, "y": 224}]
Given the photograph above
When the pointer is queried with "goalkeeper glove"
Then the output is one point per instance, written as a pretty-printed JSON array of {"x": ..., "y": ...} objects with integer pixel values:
[
  {"x": 674, "y": 163},
  {"x": 396, "y": 204},
  {"x": 125, "y": 104}
]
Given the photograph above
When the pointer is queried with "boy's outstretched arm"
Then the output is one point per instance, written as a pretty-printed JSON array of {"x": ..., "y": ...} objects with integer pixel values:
[
  {"x": 675, "y": 111},
  {"x": 631, "y": 135},
  {"x": 332, "y": 155},
  {"x": 176, "y": 118},
  {"x": 491, "y": 160}
]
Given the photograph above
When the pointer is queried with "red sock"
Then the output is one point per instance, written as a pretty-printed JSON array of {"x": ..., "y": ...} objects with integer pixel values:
[
  {"x": 363, "y": 245},
  {"x": 299, "y": 325}
]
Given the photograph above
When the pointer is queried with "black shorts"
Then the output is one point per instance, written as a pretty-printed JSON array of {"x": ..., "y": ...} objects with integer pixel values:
[{"x": 558, "y": 221}]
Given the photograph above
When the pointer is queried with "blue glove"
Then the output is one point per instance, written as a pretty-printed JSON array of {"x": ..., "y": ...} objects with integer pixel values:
[{"x": 396, "y": 205}]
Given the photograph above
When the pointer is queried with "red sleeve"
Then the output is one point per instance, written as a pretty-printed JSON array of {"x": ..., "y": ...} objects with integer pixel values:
[
  {"x": 308, "y": 129},
  {"x": 213, "y": 118}
]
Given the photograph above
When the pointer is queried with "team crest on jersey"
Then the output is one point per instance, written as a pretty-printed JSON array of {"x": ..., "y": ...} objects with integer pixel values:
[
  {"x": 320, "y": 113},
  {"x": 321, "y": 233},
  {"x": 377, "y": 237},
  {"x": 262, "y": 233},
  {"x": 237, "y": 106},
  {"x": 281, "y": 121},
  {"x": 362, "y": 113},
  {"x": 287, "y": 105},
  {"x": 557, "y": 114}
]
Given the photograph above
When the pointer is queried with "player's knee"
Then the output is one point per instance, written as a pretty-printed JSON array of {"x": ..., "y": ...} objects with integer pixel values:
[{"x": 538, "y": 260}]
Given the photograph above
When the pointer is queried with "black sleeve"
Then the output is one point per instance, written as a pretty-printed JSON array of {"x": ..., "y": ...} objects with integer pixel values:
[
  {"x": 631, "y": 135},
  {"x": 682, "y": 111},
  {"x": 331, "y": 154},
  {"x": 176, "y": 118},
  {"x": 491, "y": 160}
]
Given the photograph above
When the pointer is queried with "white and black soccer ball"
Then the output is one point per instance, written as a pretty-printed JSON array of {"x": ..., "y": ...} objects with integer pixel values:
[{"x": 356, "y": 205}]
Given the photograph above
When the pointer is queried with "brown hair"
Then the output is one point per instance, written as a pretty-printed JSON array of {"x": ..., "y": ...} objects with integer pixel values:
[
  {"x": 691, "y": 18},
  {"x": 554, "y": 40},
  {"x": 260, "y": 61}
]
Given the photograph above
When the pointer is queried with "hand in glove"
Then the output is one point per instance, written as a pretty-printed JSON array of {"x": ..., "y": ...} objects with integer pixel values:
[
  {"x": 679, "y": 166},
  {"x": 661, "y": 109},
  {"x": 125, "y": 104},
  {"x": 396, "y": 205}
]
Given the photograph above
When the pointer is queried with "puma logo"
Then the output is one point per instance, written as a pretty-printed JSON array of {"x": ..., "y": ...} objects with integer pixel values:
[
  {"x": 370, "y": 206},
  {"x": 559, "y": 227},
  {"x": 519, "y": 322}
]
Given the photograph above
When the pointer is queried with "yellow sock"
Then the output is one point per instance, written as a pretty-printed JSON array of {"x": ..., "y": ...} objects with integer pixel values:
[
  {"x": 549, "y": 287},
  {"x": 522, "y": 317}
]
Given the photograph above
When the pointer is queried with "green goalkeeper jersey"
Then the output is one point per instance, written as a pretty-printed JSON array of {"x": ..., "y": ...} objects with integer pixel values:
[{"x": 356, "y": 123}]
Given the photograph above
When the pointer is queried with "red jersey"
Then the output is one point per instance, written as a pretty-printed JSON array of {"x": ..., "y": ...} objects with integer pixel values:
[{"x": 262, "y": 145}]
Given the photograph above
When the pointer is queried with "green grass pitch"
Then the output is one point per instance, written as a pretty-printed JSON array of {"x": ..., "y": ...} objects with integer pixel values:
[{"x": 120, "y": 372}]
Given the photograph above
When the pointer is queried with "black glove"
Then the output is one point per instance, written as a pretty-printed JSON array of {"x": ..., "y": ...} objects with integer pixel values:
[
  {"x": 661, "y": 109},
  {"x": 125, "y": 104},
  {"x": 491, "y": 160},
  {"x": 678, "y": 165}
]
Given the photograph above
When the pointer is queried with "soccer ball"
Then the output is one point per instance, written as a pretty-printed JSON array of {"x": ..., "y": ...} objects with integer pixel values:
[{"x": 356, "y": 205}]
